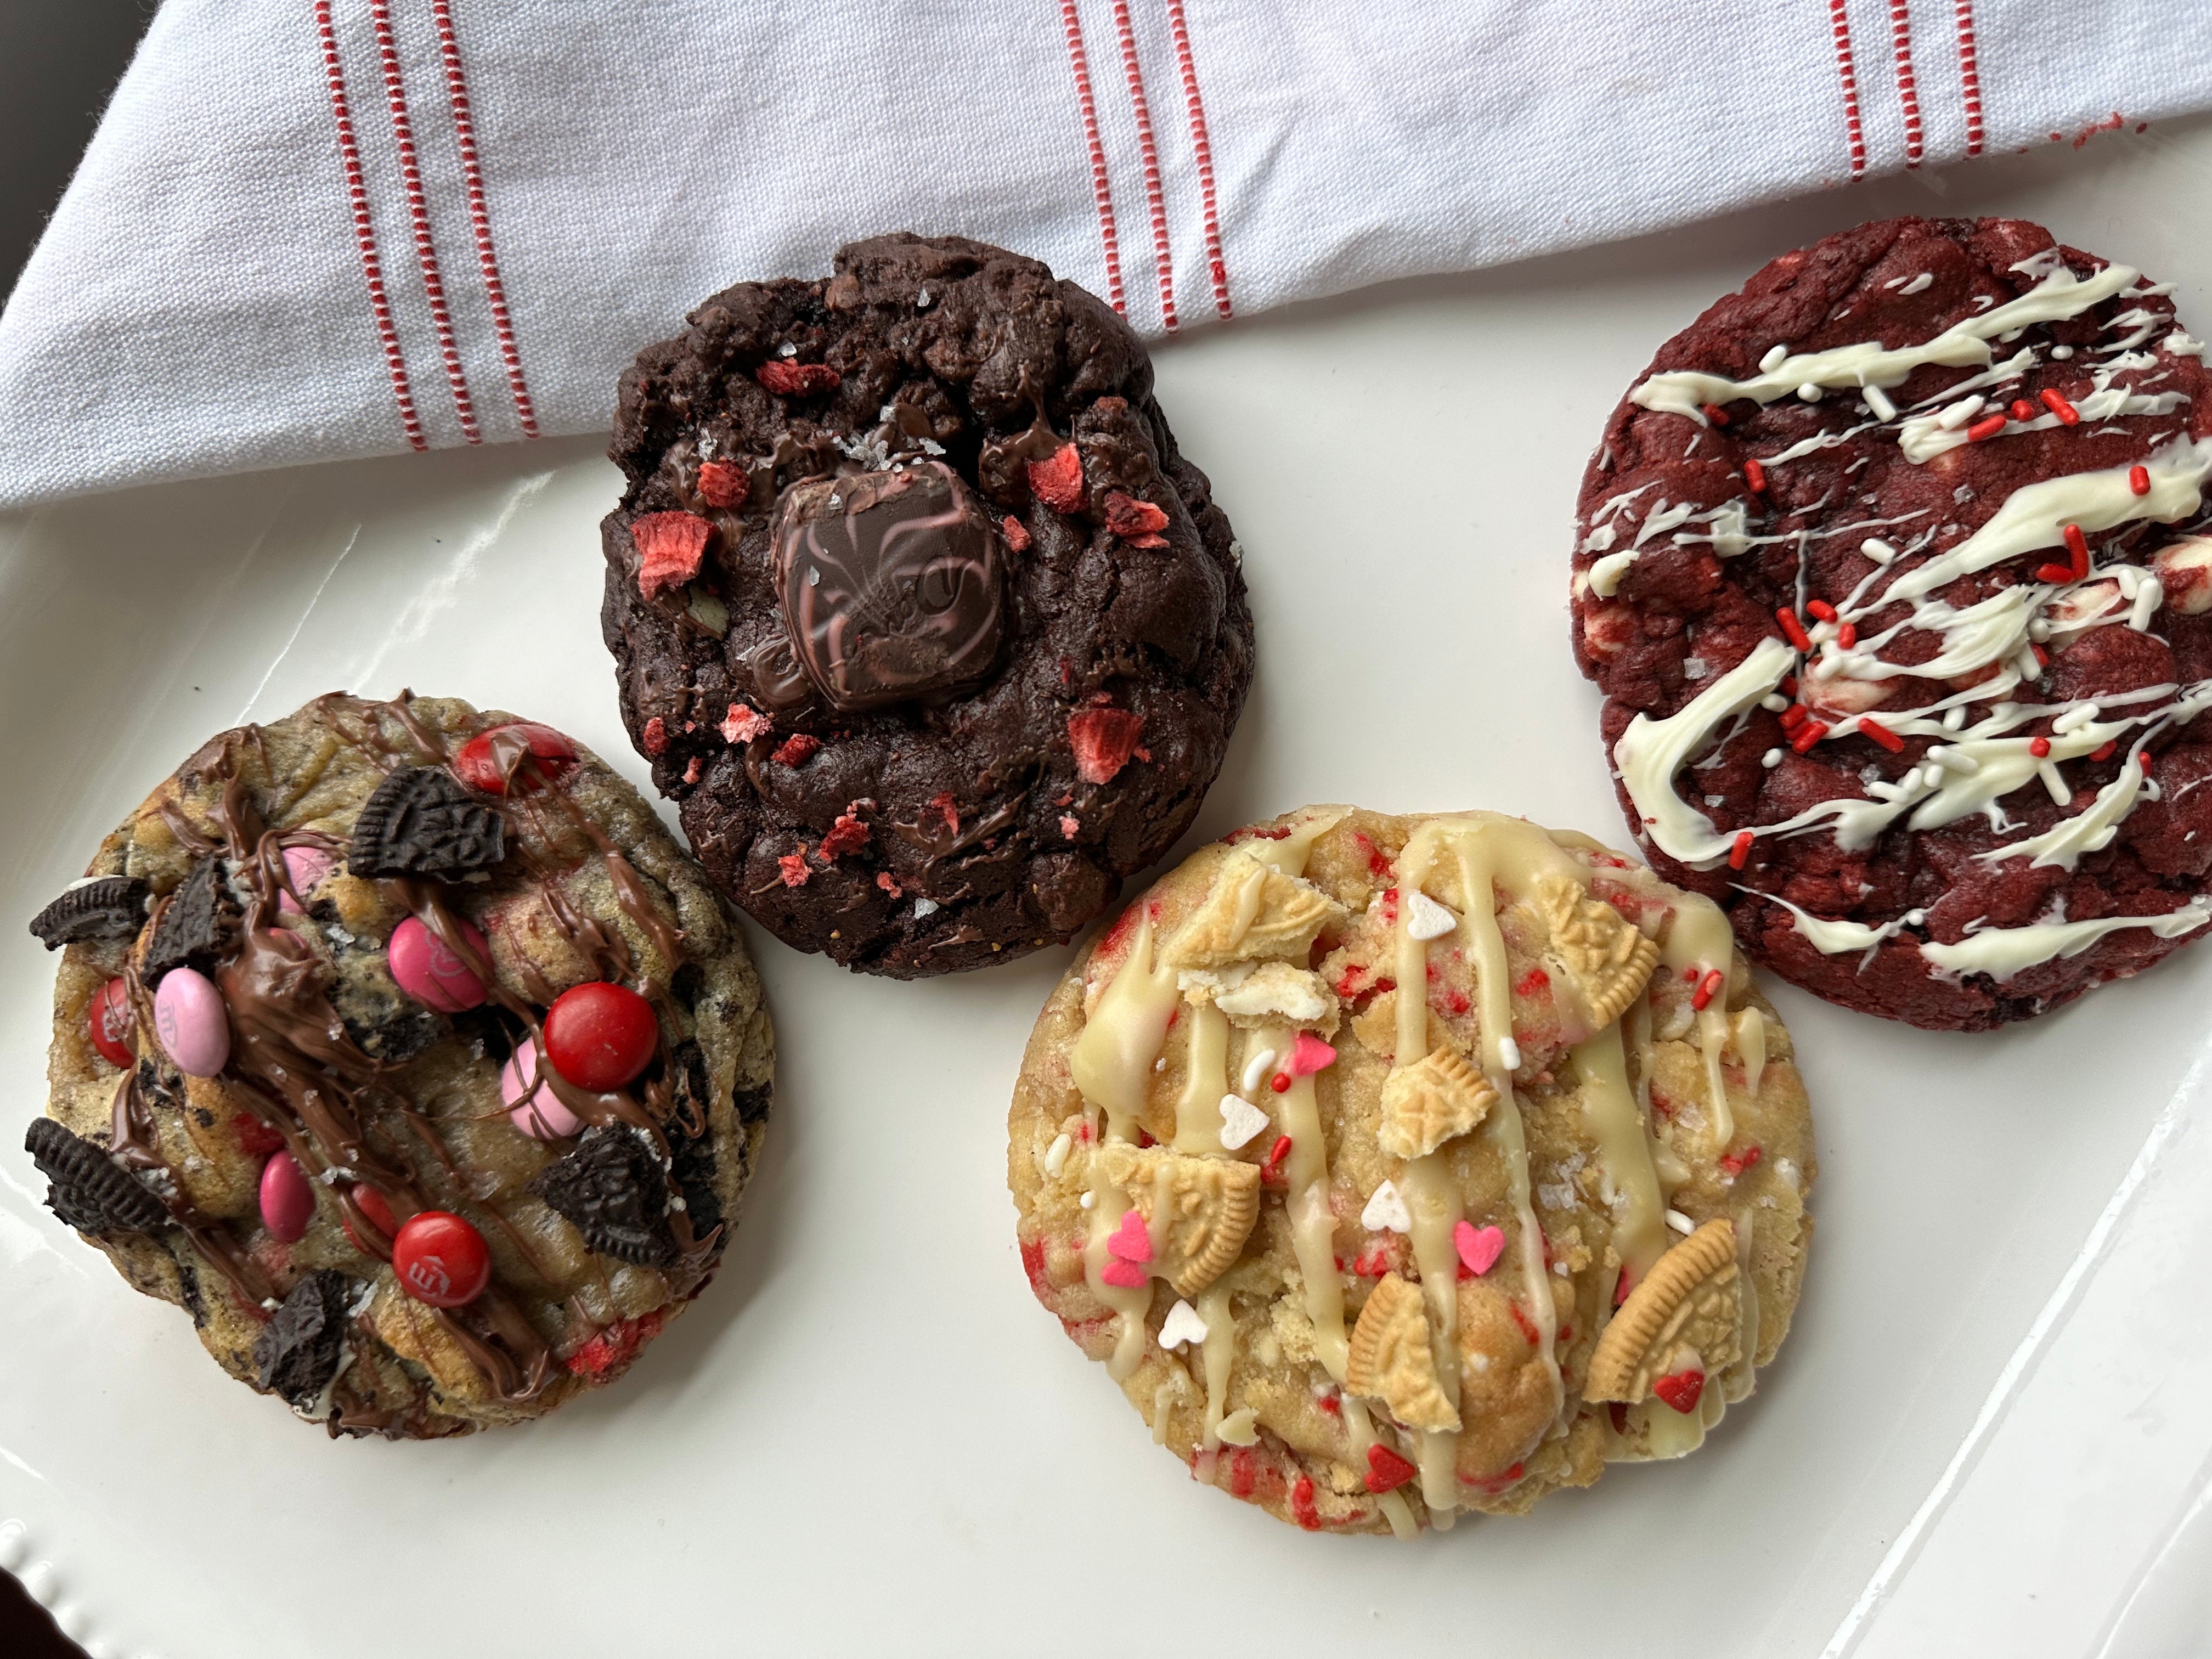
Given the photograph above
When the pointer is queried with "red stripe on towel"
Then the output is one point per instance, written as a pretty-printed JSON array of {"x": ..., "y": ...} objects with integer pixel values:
[
  {"x": 456, "y": 94},
  {"x": 1908, "y": 89},
  {"x": 1153, "y": 196},
  {"x": 1839, "y": 13},
  {"x": 1202, "y": 147},
  {"x": 418, "y": 211},
  {"x": 1969, "y": 74},
  {"x": 1108, "y": 241},
  {"x": 364, "y": 229}
]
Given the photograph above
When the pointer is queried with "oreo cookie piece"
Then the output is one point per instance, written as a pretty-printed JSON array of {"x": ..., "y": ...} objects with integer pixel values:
[
  {"x": 199, "y": 924},
  {"x": 89, "y": 1192},
  {"x": 298, "y": 1351},
  {"x": 422, "y": 821},
  {"x": 611, "y": 1190},
  {"x": 113, "y": 907},
  {"x": 918, "y": 612}
]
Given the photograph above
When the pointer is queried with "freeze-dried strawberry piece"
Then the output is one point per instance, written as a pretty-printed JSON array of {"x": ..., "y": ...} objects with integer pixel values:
[
  {"x": 1680, "y": 1390},
  {"x": 1103, "y": 739},
  {"x": 847, "y": 834},
  {"x": 943, "y": 804},
  {"x": 1136, "y": 522},
  {"x": 669, "y": 548},
  {"x": 796, "y": 750},
  {"x": 1058, "y": 481},
  {"x": 723, "y": 484},
  {"x": 1070, "y": 826},
  {"x": 744, "y": 723},
  {"x": 790, "y": 379},
  {"x": 691, "y": 772},
  {"x": 889, "y": 882},
  {"x": 794, "y": 870},
  {"x": 1017, "y": 533},
  {"x": 1386, "y": 1470},
  {"x": 656, "y": 736}
]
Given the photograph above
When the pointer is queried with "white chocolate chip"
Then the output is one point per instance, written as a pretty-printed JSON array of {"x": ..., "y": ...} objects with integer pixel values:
[
  {"x": 1182, "y": 1325},
  {"x": 1386, "y": 1210},
  {"x": 1239, "y": 1428},
  {"x": 1426, "y": 918},
  {"x": 1240, "y": 1120},
  {"x": 1055, "y": 1156}
]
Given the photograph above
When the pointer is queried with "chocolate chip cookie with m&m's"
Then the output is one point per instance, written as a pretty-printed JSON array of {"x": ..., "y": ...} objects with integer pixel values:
[
  {"x": 1398, "y": 1166},
  {"x": 917, "y": 610},
  {"x": 1895, "y": 568},
  {"x": 403, "y": 1047}
]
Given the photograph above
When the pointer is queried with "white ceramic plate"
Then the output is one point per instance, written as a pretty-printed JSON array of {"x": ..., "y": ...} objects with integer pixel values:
[{"x": 867, "y": 1438}]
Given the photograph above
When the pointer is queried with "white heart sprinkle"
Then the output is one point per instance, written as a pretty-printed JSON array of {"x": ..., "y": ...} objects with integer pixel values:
[
  {"x": 1182, "y": 1325},
  {"x": 1387, "y": 1210},
  {"x": 1240, "y": 1120},
  {"x": 1426, "y": 919}
]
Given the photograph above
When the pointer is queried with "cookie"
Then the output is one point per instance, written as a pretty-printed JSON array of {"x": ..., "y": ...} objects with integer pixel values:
[
  {"x": 917, "y": 611},
  {"x": 1367, "y": 1261},
  {"x": 403, "y": 1047},
  {"x": 1895, "y": 569}
]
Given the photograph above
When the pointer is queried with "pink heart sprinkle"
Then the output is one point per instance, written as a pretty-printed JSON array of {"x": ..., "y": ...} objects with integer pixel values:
[
  {"x": 1310, "y": 1054},
  {"x": 1127, "y": 1274},
  {"x": 1130, "y": 1240},
  {"x": 1479, "y": 1247}
]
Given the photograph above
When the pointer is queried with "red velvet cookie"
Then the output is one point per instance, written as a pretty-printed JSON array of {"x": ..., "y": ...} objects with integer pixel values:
[{"x": 1893, "y": 571}]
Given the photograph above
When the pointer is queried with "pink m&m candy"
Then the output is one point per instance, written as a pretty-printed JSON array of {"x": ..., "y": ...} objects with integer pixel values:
[
  {"x": 537, "y": 1110},
  {"x": 288, "y": 1200},
  {"x": 307, "y": 866},
  {"x": 189, "y": 1019},
  {"x": 432, "y": 975}
]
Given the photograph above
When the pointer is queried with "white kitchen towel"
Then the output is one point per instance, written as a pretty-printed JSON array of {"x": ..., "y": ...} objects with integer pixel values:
[{"x": 316, "y": 229}]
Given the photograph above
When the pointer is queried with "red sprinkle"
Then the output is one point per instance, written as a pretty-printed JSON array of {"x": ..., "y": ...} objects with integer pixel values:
[
  {"x": 2143, "y": 755},
  {"x": 797, "y": 750},
  {"x": 1715, "y": 413},
  {"x": 1527, "y": 1330},
  {"x": 1793, "y": 629},
  {"x": 2139, "y": 480},
  {"x": 1736, "y": 1163},
  {"x": 1808, "y": 734},
  {"x": 1755, "y": 476},
  {"x": 2105, "y": 753},
  {"x": 724, "y": 484},
  {"x": 1707, "y": 988},
  {"x": 1793, "y": 717},
  {"x": 2078, "y": 545},
  {"x": 2038, "y": 747},
  {"x": 1680, "y": 1390},
  {"x": 2059, "y": 406},
  {"x": 669, "y": 548},
  {"x": 1276, "y": 1154},
  {"x": 1847, "y": 635},
  {"x": 1386, "y": 1470},
  {"x": 1741, "y": 851},
  {"x": 789, "y": 380},
  {"x": 2054, "y": 572},
  {"x": 1017, "y": 533},
  {"x": 1280, "y": 1082},
  {"x": 2022, "y": 409},
  {"x": 1057, "y": 481},
  {"x": 1821, "y": 609},
  {"x": 1302, "y": 1504},
  {"x": 1103, "y": 739},
  {"x": 1882, "y": 734},
  {"x": 1985, "y": 428}
]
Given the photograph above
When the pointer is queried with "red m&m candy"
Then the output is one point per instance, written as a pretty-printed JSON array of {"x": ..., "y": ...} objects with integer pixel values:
[
  {"x": 441, "y": 1258},
  {"x": 109, "y": 1015},
  {"x": 600, "y": 1036},
  {"x": 491, "y": 759},
  {"x": 372, "y": 1204}
]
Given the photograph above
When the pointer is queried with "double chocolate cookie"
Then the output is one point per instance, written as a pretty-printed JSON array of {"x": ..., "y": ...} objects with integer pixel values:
[
  {"x": 403, "y": 1047},
  {"x": 917, "y": 611},
  {"x": 1398, "y": 1166},
  {"x": 1893, "y": 568}
]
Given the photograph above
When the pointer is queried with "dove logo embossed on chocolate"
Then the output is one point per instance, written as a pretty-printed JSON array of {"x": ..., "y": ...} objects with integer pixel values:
[{"x": 892, "y": 583}]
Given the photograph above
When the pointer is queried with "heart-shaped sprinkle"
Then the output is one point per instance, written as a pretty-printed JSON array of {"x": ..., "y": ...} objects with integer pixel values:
[
  {"x": 1387, "y": 1210},
  {"x": 1240, "y": 1120},
  {"x": 1126, "y": 1274},
  {"x": 1130, "y": 1241},
  {"x": 1479, "y": 1248},
  {"x": 1426, "y": 918},
  {"x": 1310, "y": 1054},
  {"x": 1182, "y": 1325},
  {"x": 1386, "y": 1470},
  {"x": 1680, "y": 1390}
]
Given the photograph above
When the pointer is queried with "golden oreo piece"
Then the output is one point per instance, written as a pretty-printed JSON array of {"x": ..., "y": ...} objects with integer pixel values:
[
  {"x": 1683, "y": 1316},
  {"x": 1255, "y": 912},
  {"x": 1210, "y": 1203},
  {"x": 1609, "y": 961},
  {"x": 1427, "y": 1103},
  {"x": 1390, "y": 1359}
]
